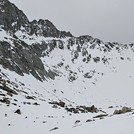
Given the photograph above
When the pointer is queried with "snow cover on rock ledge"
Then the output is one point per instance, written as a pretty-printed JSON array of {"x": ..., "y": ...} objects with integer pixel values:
[{"x": 79, "y": 84}]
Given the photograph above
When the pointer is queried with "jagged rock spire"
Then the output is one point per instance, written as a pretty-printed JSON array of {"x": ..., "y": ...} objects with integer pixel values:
[{"x": 12, "y": 19}]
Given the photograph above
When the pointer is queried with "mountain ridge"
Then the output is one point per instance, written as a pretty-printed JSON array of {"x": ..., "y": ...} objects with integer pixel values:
[
  {"x": 27, "y": 42},
  {"x": 13, "y": 19},
  {"x": 54, "y": 82}
]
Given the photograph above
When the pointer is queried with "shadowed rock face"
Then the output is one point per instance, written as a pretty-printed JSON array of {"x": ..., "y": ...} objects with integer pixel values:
[
  {"x": 12, "y": 19},
  {"x": 47, "y": 29},
  {"x": 22, "y": 57}
]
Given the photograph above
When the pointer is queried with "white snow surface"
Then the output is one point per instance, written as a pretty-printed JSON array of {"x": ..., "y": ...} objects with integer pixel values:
[{"x": 114, "y": 88}]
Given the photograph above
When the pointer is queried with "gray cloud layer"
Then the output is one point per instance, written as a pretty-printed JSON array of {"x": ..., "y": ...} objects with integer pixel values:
[{"x": 109, "y": 20}]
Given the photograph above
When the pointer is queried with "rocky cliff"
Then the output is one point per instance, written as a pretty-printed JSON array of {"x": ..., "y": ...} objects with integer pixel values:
[{"x": 23, "y": 44}]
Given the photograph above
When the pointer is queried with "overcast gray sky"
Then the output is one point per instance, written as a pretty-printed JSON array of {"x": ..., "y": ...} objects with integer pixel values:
[{"x": 109, "y": 20}]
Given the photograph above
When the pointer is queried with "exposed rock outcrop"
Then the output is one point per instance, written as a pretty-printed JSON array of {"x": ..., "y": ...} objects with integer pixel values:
[
  {"x": 12, "y": 19},
  {"x": 123, "y": 110},
  {"x": 18, "y": 111},
  {"x": 20, "y": 50}
]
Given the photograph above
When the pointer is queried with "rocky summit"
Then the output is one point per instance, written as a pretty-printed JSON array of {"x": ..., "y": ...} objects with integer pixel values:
[
  {"x": 24, "y": 58},
  {"x": 54, "y": 82}
]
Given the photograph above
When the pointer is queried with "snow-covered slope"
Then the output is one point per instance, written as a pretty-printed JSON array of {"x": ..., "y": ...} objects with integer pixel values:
[{"x": 53, "y": 82}]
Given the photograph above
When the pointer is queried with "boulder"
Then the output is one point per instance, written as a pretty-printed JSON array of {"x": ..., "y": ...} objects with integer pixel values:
[
  {"x": 89, "y": 120},
  {"x": 5, "y": 100},
  {"x": 123, "y": 110},
  {"x": 77, "y": 121},
  {"x": 101, "y": 116},
  {"x": 126, "y": 109},
  {"x": 18, "y": 111}
]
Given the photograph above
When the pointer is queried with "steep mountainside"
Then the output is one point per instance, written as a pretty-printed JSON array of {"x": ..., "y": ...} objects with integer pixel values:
[{"x": 58, "y": 83}]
